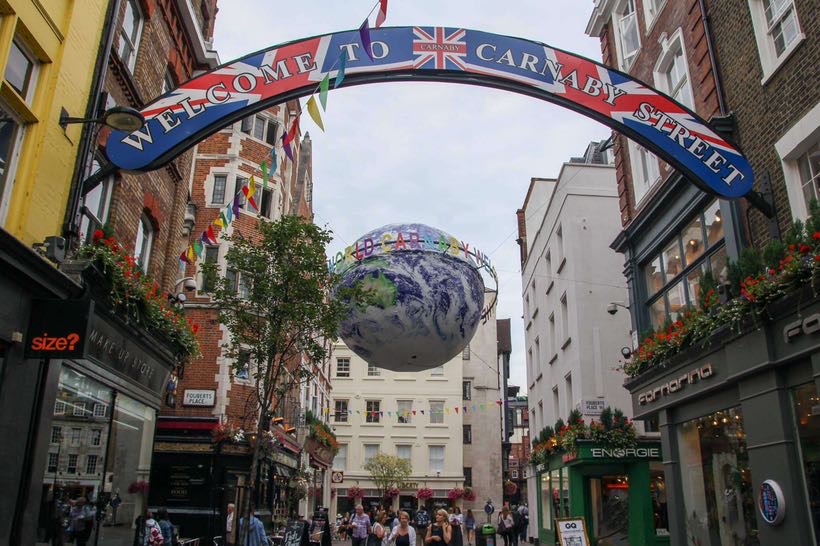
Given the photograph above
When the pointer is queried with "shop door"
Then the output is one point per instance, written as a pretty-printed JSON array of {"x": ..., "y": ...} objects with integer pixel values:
[
  {"x": 407, "y": 503},
  {"x": 609, "y": 510}
]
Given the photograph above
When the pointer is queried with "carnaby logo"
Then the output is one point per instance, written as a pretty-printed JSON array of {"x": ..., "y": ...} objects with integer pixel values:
[
  {"x": 46, "y": 343},
  {"x": 675, "y": 385}
]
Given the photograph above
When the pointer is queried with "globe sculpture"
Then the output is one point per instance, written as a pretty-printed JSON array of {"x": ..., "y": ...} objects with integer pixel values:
[{"x": 426, "y": 296}]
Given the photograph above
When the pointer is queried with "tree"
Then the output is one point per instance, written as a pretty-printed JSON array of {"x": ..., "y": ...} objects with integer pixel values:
[
  {"x": 274, "y": 300},
  {"x": 388, "y": 471}
]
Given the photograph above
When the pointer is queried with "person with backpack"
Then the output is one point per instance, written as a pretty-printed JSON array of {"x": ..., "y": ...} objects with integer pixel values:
[
  {"x": 169, "y": 532},
  {"x": 422, "y": 523}
]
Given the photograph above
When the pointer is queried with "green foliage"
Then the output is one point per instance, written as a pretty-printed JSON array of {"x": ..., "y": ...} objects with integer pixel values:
[
  {"x": 388, "y": 470},
  {"x": 708, "y": 289},
  {"x": 749, "y": 263},
  {"x": 773, "y": 253},
  {"x": 575, "y": 418},
  {"x": 559, "y": 424},
  {"x": 606, "y": 418}
]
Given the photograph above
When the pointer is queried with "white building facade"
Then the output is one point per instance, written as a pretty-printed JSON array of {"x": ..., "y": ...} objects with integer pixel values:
[{"x": 570, "y": 277}]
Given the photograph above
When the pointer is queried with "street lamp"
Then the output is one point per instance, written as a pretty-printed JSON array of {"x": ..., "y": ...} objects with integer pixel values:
[{"x": 120, "y": 118}]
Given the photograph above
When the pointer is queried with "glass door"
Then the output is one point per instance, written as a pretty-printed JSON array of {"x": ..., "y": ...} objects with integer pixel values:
[{"x": 609, "y": 498}]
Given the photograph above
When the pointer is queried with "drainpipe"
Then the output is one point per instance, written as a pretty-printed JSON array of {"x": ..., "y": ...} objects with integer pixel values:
[
  {"x": 85, "y": 153},
  {"x": 710, "y": 48}
]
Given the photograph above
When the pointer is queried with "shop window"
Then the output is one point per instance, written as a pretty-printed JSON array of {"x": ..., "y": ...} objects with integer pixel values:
[
  {"x": 144, "y": 242},
  {"x": 806, "y": 403},
  {"x": 547, "y": 511},
  {"x": 657, "y": 487},
  {"x": 466, "y": 390},
  {"x": 404, "y": 452},
  {"x": 340, "y": 411},
  {"x": 436, "y": 458},
  {"x": 11, "y": 137},
  {"x": 373, "y": 411},
  {"x": 21, "y": 70},
  {"x": 340, "y": 461},
  {"x": 342, "y": 367},
  {"x": 373, "y": 370},
  {"x": 609, "y": 496},
  {"x": 404, "y": 414},
  {"x": 130, "y": 34},
  {"x": 436, "y": 412},
  {"x": 218, "y": 193},
  {"x": 718, "y": 498},
  {"x": 777, "y": 32}
]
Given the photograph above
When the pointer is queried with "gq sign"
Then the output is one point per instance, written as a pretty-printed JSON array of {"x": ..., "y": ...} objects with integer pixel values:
[{"x": 201, "y": 106}]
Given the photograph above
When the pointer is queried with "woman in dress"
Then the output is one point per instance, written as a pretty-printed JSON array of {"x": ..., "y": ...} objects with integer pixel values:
[
  {"x": 456, "y": 520},
  {"x": 403, "y": 534},
  {"x": 469, "y": 525},
  {"x": 439, "y": 533}
]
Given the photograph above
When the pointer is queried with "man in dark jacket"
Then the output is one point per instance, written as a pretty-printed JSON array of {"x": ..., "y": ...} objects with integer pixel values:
[{"x": 422, "y": 522}]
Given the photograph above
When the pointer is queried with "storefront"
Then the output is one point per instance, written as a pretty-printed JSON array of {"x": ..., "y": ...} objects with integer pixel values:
[
  {"x": 740, "y": 424},
  {"x": 621, "y": 493}
]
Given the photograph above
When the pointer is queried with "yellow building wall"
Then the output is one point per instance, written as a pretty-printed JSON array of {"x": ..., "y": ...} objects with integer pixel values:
[{"x": 64, "y": 35}]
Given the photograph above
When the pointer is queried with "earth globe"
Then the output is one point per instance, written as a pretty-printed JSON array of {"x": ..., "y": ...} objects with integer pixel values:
[{"x": 426, "y": 296}]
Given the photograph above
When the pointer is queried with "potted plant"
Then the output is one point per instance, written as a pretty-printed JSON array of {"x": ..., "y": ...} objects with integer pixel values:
[
  {"x": 455, "y": 493},
  {"x": 424, "y": 493},
  {"x": 355, "y": 492}
]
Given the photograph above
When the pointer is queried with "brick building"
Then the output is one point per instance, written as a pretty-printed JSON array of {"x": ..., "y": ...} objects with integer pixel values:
[
  {"x": 747, "y": 66},
  {"x": 199, "y": 477}
]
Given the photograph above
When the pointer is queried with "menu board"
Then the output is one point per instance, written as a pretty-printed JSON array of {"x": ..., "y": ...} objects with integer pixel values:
[
  {"x": 572, "y": 531},
  {"x": 296, "y": 534}
]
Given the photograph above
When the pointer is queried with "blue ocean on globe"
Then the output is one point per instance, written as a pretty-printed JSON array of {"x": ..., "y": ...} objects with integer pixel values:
[{"x": 427, "y": 298}]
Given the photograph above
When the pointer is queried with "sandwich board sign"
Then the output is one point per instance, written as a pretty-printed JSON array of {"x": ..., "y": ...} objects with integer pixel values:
[{"x": 572, "y": 532}]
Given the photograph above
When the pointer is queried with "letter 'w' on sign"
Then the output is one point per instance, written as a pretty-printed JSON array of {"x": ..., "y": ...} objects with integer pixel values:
[{"x": 202, "y": 106}]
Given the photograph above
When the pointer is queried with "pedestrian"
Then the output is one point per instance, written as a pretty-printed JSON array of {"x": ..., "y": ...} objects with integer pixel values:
[
  {"x": 505, "y": 525},
  {"x": 379, "y": 534},
  {"x": 422, "y": 522},
  {"x": 360, "y": 526},
  {"x": 166, "y": 527},
  {"x": 439, "y": 533},
  {"x": 343, "y": 527},
  {"x": 229, "y": 519},
  {"x": 115, "y": 504},
  {"x": 469, "y": 525},
  {"x": 254, "y": 532},
  {"x": 525, "y": 522},
  {"x": 456, "y": 521},
  {"x": 403, "y": 534},
  {"x": 147, "y": 532},
  {"x": 516, "y": 530},
  {"x": 81, "y": 517}
]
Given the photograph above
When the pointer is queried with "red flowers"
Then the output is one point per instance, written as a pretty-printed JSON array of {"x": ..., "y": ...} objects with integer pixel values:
[
  {"x": 804, "y": 248},
  {"x": 98, "y": 235}
]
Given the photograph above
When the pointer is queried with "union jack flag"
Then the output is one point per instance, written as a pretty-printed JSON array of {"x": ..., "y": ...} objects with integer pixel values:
[{"x": 439, "y": 49}]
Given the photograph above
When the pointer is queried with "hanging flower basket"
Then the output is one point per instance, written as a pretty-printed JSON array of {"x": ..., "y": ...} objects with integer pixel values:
[
  {"x": 138, "y": 487},
  {"x": 393, "y": 492},
  {"x": 355, "y": 492},
  {"x": 424, "y": 493},
  {"x": 455, "y": 493},
  {"x": 469, "y": 494},
  {"x": 510, "y": 488}
]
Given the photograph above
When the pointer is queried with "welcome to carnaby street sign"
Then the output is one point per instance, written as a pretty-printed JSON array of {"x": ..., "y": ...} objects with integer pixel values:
[{"x": 205, "y": 104}]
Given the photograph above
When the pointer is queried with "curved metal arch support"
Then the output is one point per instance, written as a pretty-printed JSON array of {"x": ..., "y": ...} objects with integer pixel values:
[{"x": 179, "y": 119}]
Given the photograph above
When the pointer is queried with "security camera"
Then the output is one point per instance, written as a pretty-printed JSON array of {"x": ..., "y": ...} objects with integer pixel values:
[
  {"x": 626, "y": 352},
  {"x": 611, "y": 308},
  {"x": 189, "y": 284}
]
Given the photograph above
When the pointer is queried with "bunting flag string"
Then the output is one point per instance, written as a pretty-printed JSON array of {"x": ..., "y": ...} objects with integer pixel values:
[
  {"x": 382, "y": 15},
  {"x": 323, "y": 89},
  {"x": 364, "y": 34},
  {"x": 340, "y": 74},
  {"x": 313, "y": 110}
]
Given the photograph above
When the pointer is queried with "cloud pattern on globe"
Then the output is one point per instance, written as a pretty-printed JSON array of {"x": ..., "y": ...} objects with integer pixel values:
[{"x": 426, "y": 297}]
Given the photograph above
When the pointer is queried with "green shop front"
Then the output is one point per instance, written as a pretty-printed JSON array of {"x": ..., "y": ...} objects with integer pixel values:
[{"x": 620, "y": 493}]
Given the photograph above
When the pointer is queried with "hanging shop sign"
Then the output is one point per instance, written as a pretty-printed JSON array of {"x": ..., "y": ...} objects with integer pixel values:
[
  {"x": 771, "y": 502},
  {"x": 572, "y": 531},
  {"x": 58, "y": 328},
  {"x": 676, "y": 385},
  {"x": 624, "y": 453},
  {"x": 337, "y": 476},
  {"x": 201, "y": 106},
  {"x": 204, "y": 398}
]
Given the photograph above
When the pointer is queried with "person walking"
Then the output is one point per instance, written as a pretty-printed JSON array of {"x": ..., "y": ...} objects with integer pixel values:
[
  {"x": 403, "y": 534},
  {"x": 505, "y": 524},
  {"x": 380, "y": 533},
  {"x": 469, "y": 525},
  {"x": 229, "y": 519},
  {"x": 456, "y": 521},
  {"x": 525, "y": 522},
  {"x": 254, "y": 532},
  {"x": 343, "y": 527},
  {"x": 439, "y": 533},
  {"x": 360, "y": 527},
  {"x": 422, "y": 522},
  {"x": 166, "y": 527},
  {"x": 82, "y": 521}
]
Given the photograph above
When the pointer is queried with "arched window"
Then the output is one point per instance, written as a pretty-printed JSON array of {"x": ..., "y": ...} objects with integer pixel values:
[{"x": 145, "y": 238}]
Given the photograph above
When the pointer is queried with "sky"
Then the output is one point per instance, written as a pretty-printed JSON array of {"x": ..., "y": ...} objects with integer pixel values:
[{"x": 456, "y": 157}]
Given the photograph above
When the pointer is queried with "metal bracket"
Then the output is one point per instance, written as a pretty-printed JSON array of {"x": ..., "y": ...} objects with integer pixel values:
[{"x": 763, "y": 200}]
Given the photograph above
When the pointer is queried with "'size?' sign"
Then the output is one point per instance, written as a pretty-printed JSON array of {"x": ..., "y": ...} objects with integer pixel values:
[{"x": 204, "y": 398}]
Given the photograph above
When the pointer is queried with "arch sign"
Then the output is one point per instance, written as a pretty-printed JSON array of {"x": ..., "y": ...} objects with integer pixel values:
[{"x": 181, "y": 118}]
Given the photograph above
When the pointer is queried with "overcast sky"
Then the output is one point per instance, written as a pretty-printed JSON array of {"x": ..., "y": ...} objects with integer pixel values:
[{"x": 455, "y": 157}]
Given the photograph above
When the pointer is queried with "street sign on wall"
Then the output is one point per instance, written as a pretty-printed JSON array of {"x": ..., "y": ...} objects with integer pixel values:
[{"x": 182, "y": 117}]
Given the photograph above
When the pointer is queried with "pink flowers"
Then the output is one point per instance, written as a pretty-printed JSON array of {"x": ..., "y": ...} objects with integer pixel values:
[
  {"x": 455, "y": 493},
  {"x": 424, "y": 493}
]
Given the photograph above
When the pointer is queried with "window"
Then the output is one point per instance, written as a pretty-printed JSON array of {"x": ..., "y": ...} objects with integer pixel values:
[
  {"x": 79, "y": 409},
  {"x": 553, "y": 343},
  {"x": 514, "y": 474},
  {"x": 243, "y": 365},
  {"x": 96, "y": 437},
  {"x": 99, "y": 410},
  {"x": 91, "y": 464},
  {"x": 672, "y": 72},
  {"x": 404, "y": 452},
  {"x": 808, "y": 178},
  {"x": 645, "y": 170},
  {"x": 53, "y": 460},
  {"x": 465, "y": 354},
  {"x": 564, "y": 319},
  {"x": 556, "y": 408},
  {"x": 404, "y": 412},
  {"x": 537, "y": 365},
  {"x": 21, "y": 70},
  {"x": 651, "y": 9},
  {"x": 130, "y": 34},
  {"x": 342, "y": 367},
  {"x": 673, "y": 276},
  {"x": 260, "y": 128},
  {"x": 541, "y": 414},
  {"x": 438, "y": 370},
  {"x": 76, "y": 434},
  {"x": 468, "y": 476},
  {"x": 142, "y": 246},
  {"x": 570, "y": 398},
  {"x": 267, "y": 203},
  {"x": 56, "y": 435},
  {"x": 11, "y": 133},
  {"x": 244, "y": 286},
  {"x": 467, "y": 434},
  {"x": 373, "y": 411},
  {"x": 96, "y": 204},
  {"x": 340, "y": 411},
  {"x": 804, "y": 403},
  {"x": 466, "y": 390},
  {"x": 629, "y": 40},
  {"x": 209, "y": 277},
  {"x": 239, "y": 183},
  {"x": 59, "y": 407},
  {"x": 436, "y": 458},
  {"x": 72, "y": 464},
  {"x": 168, "y": 83},
  {"x": 373, "y": 370},
  {"x": 559, "y": 241},
  {"x": 340, "y": 460},
  {"x": 777, "y": 32},
  {"x": 218, "y": 193},
  {"x": 436, "y": 412},
  {"x": 370, "y": 451}
]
